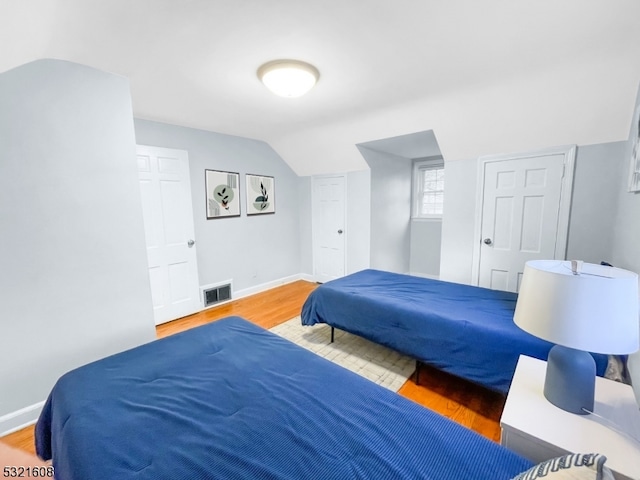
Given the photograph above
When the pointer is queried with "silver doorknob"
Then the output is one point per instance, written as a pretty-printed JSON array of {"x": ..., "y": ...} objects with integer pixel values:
[
  {"x": 487, "y": 241},
  {"x": 191, "y": 243},
  {"x": 340, "y": 231}
]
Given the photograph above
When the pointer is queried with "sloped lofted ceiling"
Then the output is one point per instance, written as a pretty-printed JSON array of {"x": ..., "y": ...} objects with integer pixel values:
[
  {"x": 419, "y": 145},
  {"x": 489, "y": 76}
]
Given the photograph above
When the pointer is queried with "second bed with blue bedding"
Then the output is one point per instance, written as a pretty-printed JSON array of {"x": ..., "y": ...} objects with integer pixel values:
[
  {"x": 230, "y": 400},
  {"x": 464, "y": 330}
]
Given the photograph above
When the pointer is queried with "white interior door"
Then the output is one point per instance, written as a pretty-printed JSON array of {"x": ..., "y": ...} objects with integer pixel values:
[
  {"x": 524, "y": 214},
  {"x": 329, "y": 229},
  {"x": 165, "y": 188}
]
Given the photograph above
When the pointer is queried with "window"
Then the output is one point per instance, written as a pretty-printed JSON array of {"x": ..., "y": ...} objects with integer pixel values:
[{"x": 428, "y": 190}]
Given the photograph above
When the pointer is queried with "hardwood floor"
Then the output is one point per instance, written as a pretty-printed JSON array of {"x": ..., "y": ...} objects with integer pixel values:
[
  {"x": 22, "y": 440},
  {"x": 466, "y": 403},
  {"x": 266, "y": 309}
]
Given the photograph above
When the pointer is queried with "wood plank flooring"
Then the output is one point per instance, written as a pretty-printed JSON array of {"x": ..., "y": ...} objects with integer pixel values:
[
  {"x": 466, "y": 403},
  {"x": 267, "y": 309}
]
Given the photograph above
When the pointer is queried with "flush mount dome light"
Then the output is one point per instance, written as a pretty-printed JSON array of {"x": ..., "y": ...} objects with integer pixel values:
[{"x": 288, "y": 78}]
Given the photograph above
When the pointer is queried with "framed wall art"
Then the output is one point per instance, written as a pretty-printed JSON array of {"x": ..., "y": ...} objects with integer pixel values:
[
  {"x": 222, "y": 193},
  {"x": 260, "y": 194}
]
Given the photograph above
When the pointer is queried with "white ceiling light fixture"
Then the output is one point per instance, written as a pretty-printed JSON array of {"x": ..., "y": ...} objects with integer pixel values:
[{"x": 288, "y": 78}]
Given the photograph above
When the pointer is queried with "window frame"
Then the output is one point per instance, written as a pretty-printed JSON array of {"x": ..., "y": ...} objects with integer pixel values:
[{"x": 420, "y": 166}]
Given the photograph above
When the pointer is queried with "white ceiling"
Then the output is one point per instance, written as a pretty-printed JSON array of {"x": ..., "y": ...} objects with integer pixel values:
[{"x": 487, "y": 76}]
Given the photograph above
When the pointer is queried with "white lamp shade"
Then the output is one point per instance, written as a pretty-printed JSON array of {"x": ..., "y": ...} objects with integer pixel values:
[
  {"x": 288, "y": 78},
  {"x": 596, "y": 311}
]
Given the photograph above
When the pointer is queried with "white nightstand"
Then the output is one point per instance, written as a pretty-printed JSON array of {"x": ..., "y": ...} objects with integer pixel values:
[{"x": 538, "y": 430}]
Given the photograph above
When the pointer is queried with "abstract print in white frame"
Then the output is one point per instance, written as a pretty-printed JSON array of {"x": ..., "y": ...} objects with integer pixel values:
[
  {"x": 260, "y": 194},
  {"x": 223, "y": 194}
]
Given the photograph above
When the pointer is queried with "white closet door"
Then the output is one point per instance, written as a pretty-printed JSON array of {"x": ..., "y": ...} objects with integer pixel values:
[
  {"x": 524, "y": 214},
  {"x": 329, "y": 227},
  {"x": 165, "y": 188}
]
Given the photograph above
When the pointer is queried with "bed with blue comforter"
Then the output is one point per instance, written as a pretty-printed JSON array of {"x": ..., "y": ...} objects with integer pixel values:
[
  {"x": 464, "y": 330},
  {"x": 230, "y": 400}
]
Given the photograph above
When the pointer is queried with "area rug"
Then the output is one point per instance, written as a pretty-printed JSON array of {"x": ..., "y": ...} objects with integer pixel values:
[{"x": 370, "y": 360}]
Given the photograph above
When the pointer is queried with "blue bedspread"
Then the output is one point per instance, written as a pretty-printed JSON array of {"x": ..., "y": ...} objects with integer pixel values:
[
  {"x": 464, "y": 330},
  {"x": 230, "y": 400}
]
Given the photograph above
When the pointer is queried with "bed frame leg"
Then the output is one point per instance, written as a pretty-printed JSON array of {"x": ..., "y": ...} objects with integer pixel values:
[
  {"x": 418, "y": 372},
  {"x": 332, "y": 329}
]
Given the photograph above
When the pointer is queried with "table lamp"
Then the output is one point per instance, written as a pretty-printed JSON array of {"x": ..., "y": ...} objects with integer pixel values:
[{"x": 581, "y": 307}]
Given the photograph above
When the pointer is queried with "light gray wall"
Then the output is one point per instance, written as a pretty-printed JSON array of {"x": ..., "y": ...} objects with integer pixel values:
[
  {"x": 306, "y": 220},
  {"x": 458, "y": 221},
  {"x": 74, "y": 278},
  {"x": 425, "y": 248},
  {"x": 626, "y": 247},
  {"x": 626, "y": 242},
  {"x": 595, "y": 201},
  {"x": 251, "y": 251},
  {"x": 390, "y": 210},
  {"x": 358, "y": 220},
  {"x": 593, "y": 209}
]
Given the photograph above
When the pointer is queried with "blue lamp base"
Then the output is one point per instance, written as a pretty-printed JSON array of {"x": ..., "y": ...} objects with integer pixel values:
[{"x": 570, "y": 382}]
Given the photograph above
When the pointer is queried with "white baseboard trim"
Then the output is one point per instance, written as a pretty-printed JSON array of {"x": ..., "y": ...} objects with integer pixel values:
[
  {"x": 14, "y": 421},
  {"x": 307, "y": 277},
  {"x": 24, "y": 417},
  {"x": 425, "y": 275},
  {"x": 245, "y": 292}
]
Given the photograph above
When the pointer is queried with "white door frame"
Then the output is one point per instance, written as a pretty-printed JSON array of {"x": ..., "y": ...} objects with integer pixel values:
[
  {"x": 314, "y": 219},
  {"x": 562, "y": 231}
]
